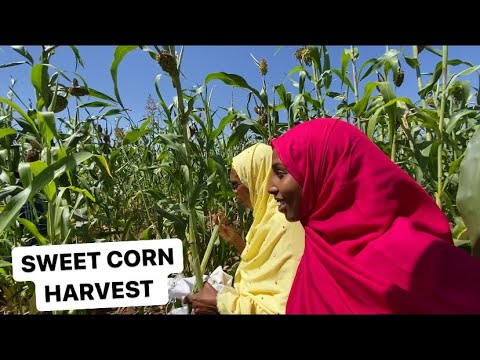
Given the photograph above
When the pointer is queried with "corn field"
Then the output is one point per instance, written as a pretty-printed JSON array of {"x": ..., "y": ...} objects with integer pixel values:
[{"x": 72, "y": 172}]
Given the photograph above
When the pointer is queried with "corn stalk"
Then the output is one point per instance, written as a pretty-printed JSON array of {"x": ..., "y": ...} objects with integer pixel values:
[
  {"x": 192, "y": 221},
  {"x": 418, "y": 74},
  {"x": 355, "y": 79},
  {"x": 440, "y": 127}
]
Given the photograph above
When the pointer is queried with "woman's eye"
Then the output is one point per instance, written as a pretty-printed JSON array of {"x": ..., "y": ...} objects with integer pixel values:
[{"x": 280, "y": 173}]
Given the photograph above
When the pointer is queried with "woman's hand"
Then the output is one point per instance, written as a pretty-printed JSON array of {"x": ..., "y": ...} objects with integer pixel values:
[
  {"x": 227, "y": 232},
  {"x": 205, "y": 301}
]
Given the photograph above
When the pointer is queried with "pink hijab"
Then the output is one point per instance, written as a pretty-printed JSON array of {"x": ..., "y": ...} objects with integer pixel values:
[{"x": 375, "y": 241}]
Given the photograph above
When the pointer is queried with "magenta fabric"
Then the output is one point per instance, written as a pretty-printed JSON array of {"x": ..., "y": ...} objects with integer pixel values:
[{"x": 376, "y": 242}]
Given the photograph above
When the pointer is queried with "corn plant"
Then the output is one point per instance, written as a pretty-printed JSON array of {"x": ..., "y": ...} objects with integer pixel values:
[{"x": 75, "y": 167}]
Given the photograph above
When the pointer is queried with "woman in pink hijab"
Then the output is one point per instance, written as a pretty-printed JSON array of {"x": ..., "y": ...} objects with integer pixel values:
[{"x": 375, "y": 241}]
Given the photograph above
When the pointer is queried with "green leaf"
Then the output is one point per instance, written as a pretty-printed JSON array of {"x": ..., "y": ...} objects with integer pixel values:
[
  {"x": 40, "y": 81},
  {"x": 376, "y": 64},
  {"x": 145, "y": 124},
  {"x": 133, "y": 136},
  {"x": 15, "y": 63},
  {"x": 402, "y": 99},
  {"x": 465, "y": 245},
  {"x": 94, "y": 104},
  {"x": 462, "y": 114},
  {"x": 150, "y": 52},
  {"x": 433, "y": 159},
  {"x": 103, "y": 161},
  {"x": 280, "y": 89},
  {"x": 48, "y": 129},
  {"x": 296, "y": 69},
  {"x": 315, "y": 55},
  {"x": 211, "y": 179},
  {"x": 413, "y": 63},
  {"x": 112, "y": 112},
  {"x": 470, "y": 70},
  {"x": 119, "y": 54},
  {"x": 162, "y": 102},
  {"x": 388, "y": 95},
  {"x": 387, "y": 92},
  {"x": 76, "y": 137},
  {"x": 301, "y": 81},
  {"x": 173, "y": 142},
  {"x": 372, "y": 122},
  {"x": 434, "y": 51},
  {"x": 31, "y": 227},
  {"x": 352, "y": 53},
  {"x": 146, "y": 234},
  {"x": 172, "y": 217},
  {"x": 393, "y": 61},
  {"x": 7, "y": 131},
  {"x": 100, "y": 95},
  {"x": 345, "y": 79},
  {"x": 231, "y": 79},
  {"x": 315, "y": 103},
  {"x": 50, "y": 173},
  {"x": 454, "y": 166},
  {"x": 345, "y": 59},
  {"x": 4, "y": 264},
  {"x": 226, "y": 120},
  {"x": 259, "y": 129},
  {"x": 84, "y": 192},
  {"x": 50, "y": 189},
  {"x": 360, "y": 107},
  {"x": 8, "y": 190},
  {"x": 22, "y": 51},
  {"x": 438, "y": 72},
  {"x": 25, "y": 172},
  {"x": 256, "y": 61},
  {"x": 237, "y": 135},
  {"x": 78, "y": 58},
  {"x": 333, "y": 94}
]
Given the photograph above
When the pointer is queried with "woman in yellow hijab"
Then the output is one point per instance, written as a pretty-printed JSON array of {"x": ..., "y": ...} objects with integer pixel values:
[{"x": 272, "y": 250}]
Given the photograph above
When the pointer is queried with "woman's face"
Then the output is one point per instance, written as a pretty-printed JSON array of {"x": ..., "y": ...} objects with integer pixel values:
[
  {"x": 285, "y": 189},
  {"x": 242, "y": 195}
]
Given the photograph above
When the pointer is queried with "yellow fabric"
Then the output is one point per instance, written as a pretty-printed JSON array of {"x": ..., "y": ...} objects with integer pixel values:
[{"x": 273, "y": 248}]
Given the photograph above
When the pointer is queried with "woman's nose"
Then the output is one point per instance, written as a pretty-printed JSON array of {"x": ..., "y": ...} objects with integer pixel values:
[{"x": 272, "y": 189}]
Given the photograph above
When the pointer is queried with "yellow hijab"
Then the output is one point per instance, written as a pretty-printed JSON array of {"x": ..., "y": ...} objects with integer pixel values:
[{"x": 273, "y": 248}]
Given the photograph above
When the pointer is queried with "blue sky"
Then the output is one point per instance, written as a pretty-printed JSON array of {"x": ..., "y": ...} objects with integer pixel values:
[{"x": 137, "y": 71}]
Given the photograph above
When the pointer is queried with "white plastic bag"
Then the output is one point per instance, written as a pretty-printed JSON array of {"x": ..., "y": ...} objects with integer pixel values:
[{"x": 179, "y": 287}]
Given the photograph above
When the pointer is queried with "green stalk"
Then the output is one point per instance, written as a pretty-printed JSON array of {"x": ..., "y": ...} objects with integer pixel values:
[
  {"x": 355, "y": 79},
  {"x": 51, "y": 205},
  {"x": 192, "y": 224},
  {"x": 316, "y": 77},
  {"x": 150, "y": 220},
  {"x": 267, "y": 109},
  {"x": 148, "y": 213},
  {"x": 440, "y": 127},
  {"x": 419, "y": 75},
  {"x": 9, "y": 142},
  {"x": 393, "y": 147}
]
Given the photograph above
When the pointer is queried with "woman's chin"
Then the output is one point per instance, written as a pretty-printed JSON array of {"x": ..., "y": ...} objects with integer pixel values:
[{"x": 291, "y": 217}]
